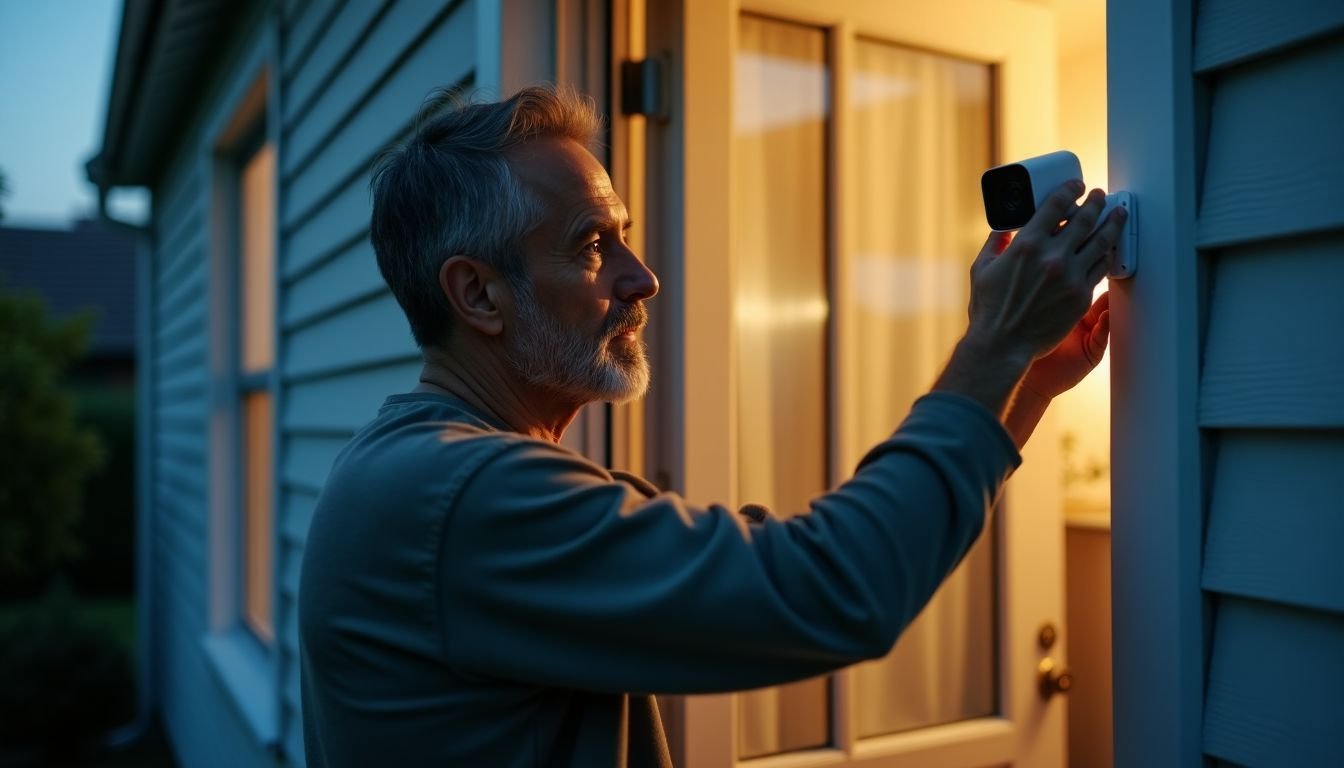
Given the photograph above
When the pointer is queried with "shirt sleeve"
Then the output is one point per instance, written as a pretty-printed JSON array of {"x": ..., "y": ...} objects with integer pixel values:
[{"x": 555, "y": 573}]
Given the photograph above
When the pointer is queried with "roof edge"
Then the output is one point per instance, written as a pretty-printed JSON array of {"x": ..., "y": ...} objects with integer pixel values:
[{"x": 139, "y": 26}]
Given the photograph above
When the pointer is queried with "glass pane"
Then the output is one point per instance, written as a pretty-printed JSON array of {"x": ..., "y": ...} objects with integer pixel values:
[
  {"x": 923, "y": 123},
  {"x": 257, "y": 243},
  {"x": 779, "y": 221},
  {"x": 257, "y": 529}
]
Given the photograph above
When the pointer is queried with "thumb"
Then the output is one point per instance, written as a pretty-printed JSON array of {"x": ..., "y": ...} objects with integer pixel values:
[{"x": 1097, "y": 339}]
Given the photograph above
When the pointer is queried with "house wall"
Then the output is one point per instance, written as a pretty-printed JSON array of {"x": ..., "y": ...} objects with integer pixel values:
[
  {"x": 1228, "y": 436},
  {"x": 205, "y": 727},
  {"x": 352, "y": 76},
  {"x": 1270, "y": 228},
  {"x": 346, "y": 79}
]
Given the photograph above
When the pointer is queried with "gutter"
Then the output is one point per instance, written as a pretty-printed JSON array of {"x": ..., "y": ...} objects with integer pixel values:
[{"x": 136, "y": 731}]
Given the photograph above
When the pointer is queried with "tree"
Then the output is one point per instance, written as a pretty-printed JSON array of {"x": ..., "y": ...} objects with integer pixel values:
[
  {"x": 44, "y": 455},
  {"x": 4, "y": 192}
]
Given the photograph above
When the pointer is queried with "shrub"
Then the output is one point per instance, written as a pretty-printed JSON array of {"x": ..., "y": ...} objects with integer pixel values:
[
  {"x": 44, "y": 455},
  {"x": 67, "y": 680}
]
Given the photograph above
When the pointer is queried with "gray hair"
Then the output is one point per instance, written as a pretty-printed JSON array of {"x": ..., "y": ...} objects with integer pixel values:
[{"x": 449, "y": 190}]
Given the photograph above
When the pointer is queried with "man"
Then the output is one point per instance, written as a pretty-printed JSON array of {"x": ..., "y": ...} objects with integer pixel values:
[{"x": 475, "y": 594}]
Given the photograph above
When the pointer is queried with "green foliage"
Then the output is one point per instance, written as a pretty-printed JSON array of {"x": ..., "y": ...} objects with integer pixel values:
[
  {"x": 106, "y": 534},
  {"x": 44, "y": 455},
  {"x": 68, "y": 679}
]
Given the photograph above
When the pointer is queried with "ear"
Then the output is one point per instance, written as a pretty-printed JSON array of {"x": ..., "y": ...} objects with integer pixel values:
[{"x": 474, "y": 289}]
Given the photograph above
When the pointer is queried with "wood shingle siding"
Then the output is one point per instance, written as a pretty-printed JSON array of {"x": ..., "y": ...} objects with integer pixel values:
[
  {"x": 1270, "y": 231},
  {"x": 354, "y": 75}
]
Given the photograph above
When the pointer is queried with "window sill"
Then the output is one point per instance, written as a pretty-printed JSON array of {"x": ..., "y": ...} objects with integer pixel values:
[{"x": 245, "y": 670}]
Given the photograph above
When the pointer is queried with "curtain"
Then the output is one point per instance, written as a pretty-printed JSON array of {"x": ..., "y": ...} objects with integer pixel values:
[
  {"x": 780, "y": 314},
  {"x": 923, "y": 130}
]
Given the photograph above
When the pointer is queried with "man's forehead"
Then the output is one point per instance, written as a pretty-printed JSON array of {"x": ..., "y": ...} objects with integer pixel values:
[
  {"x": 571, "y": 183},
  {"x": 558, "y": 164}
]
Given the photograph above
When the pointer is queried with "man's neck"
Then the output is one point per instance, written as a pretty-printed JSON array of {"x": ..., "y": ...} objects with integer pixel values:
[{"x": 491, "y": 387}]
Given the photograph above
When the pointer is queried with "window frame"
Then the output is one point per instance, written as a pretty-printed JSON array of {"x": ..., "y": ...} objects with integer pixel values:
[{"x": 244, "y": 665}]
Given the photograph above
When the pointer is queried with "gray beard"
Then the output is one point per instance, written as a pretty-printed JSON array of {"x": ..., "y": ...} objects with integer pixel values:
[{"x": 551, "y": 356}]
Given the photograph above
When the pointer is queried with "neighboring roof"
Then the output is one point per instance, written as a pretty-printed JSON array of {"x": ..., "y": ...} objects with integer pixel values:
[
  {"x": 163, "y": 50},
  {"x": 73, "y": 269}
]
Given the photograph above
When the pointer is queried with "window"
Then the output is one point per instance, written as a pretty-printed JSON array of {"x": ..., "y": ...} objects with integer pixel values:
[
  {"x": 241, "y": 643},
  {"x": 256, "y": 356}
]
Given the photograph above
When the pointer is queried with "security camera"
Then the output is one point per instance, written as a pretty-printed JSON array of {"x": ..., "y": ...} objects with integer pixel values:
[{"x": 1013, "y": 193}]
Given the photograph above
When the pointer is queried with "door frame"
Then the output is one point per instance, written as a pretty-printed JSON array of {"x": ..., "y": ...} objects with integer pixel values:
[
  {"x": 1159, "y": 459},
  {"x": 689, "y": 447}
]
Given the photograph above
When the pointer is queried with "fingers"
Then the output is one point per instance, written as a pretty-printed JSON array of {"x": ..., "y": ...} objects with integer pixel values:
[
  {"x": 992, "y": 249},
  {"x": 1095, "y": 345},
  {"x": 1100, "y": 305},
  {"x": 1096, "y": 252},
  {"x": 1085, "y": 220},
  {"x": 1099, "y": 268},
  {"x": 1054, "y": 210}
]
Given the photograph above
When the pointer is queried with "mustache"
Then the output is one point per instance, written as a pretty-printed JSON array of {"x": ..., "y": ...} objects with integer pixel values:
[{"x": 632, "y": 317}]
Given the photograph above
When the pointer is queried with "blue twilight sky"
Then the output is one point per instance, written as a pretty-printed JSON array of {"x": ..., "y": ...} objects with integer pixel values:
[{"x": 55, "y": 71}]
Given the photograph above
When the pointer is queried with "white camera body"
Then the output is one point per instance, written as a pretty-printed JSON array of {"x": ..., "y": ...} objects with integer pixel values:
[{"x": 1013, "y": 192}]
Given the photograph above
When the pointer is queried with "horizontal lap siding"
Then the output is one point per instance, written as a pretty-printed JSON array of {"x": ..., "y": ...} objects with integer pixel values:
[
  {"x": 1274, "y": 351},
  {"x": 179, "y": 405},
  {"x": 203, "y": 727},
  {"x": 1271, "y": 229},
  {"x": 354, "y": 74},
  {"x": 1230, "y": 31},
  {"x": 201, "y": 721},
  {"x": 1274, "y": 686},
  {"x": 1274, "y": 161}
]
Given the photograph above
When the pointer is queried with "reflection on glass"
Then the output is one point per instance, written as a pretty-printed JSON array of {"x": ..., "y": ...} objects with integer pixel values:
[
  {"x": 781, "y": 311},
  {"x": 257, "y": 224},
  {"x": 257, "y": 514},
  {"x": 923, "y": 126}
]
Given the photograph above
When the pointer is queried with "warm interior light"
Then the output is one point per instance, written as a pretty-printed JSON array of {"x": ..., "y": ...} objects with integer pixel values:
[{"x": 1084, "y": 412}]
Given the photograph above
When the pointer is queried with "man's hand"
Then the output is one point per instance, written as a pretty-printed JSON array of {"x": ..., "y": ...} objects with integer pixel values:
[
  {"x": 1028, "y": 294},
  {"x": 1059, "y": 371},
  {"x": 1075, "y": 357}
]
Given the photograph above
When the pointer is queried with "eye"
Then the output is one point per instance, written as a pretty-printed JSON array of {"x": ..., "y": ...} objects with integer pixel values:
[{"x": 592, "y": 250}]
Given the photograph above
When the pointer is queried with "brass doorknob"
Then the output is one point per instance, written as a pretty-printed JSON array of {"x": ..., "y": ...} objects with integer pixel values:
[{"x": 1052, "y": 678}]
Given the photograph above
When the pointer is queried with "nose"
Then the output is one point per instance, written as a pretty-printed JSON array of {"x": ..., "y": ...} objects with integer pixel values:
[{"x": 636, "y": 282}]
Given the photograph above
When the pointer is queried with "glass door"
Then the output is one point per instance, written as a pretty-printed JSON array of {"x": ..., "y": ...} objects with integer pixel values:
[{"x": 836, "y": 250}]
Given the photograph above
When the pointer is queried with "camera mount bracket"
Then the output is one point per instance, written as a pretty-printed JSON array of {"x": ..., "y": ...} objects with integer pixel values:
[{"x": 1126, "y": 258}]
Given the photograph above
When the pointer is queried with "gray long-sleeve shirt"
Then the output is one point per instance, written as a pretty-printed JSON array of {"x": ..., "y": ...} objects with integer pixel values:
[{"x": 471, "y": 596}]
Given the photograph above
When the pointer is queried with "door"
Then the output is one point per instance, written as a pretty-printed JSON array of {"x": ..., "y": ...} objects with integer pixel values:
[{"x": 813, "y": 209}]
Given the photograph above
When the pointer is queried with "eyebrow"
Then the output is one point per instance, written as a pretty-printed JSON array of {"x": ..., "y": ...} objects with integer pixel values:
[{"x": 596, "y": 223}]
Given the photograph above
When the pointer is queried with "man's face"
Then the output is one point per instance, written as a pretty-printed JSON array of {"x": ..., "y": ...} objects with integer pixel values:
[{"x": 578, "y": 314}]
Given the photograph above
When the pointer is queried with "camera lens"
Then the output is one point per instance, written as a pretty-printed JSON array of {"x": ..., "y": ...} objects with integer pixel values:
[{"x": 1009, "y": 201}]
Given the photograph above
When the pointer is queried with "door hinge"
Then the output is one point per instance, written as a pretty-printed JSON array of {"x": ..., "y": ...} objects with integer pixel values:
[{"x": 644, "y": 88}]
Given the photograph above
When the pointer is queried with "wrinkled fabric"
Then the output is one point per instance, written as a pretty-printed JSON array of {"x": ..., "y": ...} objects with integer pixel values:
[{"x": 471, "y": 596}]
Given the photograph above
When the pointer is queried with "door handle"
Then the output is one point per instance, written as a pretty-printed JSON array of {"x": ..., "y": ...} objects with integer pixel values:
[{"x": 1052, "y": 678}]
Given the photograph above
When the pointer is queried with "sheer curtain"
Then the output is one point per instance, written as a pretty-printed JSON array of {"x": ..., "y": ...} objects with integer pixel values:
[
  {"x": 923, "y": 129},
  {"x": 781, "y": 312}
]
